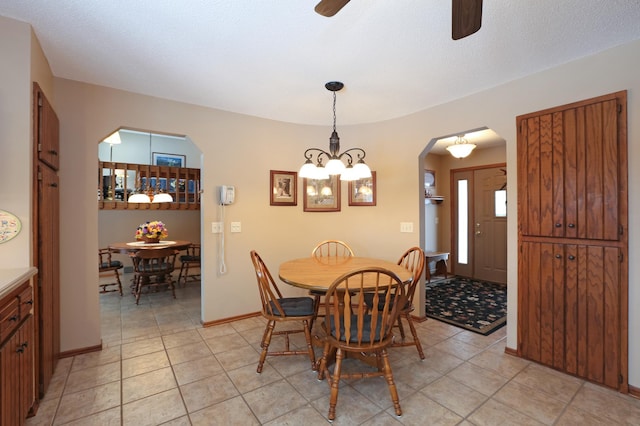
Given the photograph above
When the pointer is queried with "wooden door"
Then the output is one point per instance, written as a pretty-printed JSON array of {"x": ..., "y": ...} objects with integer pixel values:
[
  {"x": 479, "y": 233},
  {"x": 49, "y": 273},
  {"x": 46, "y": 238},
  {"x": 490, "y": 225},
  {"x": 573, "y": 239}
]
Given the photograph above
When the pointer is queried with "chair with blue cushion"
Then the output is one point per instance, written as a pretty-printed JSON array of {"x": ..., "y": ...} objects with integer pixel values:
[
  {"x": 107, "y": 265},
  {"x": 351, "y": 328},
  {"x": 190, "y": 260},
  {"x": 277, "y": 309},
  {"x": 153, "y": 268},
  {"x": 414, "y": 261}
]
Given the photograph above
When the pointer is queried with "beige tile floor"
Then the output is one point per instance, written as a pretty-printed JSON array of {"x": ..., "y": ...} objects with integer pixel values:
[{"x": 159, "y": 366}]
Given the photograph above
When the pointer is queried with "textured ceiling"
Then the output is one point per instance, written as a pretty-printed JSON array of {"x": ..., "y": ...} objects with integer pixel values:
[{"x": 271, "y": 58}]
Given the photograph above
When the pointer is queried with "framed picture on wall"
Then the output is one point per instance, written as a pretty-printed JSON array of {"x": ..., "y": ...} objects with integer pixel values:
[
  {"x": 321, "y": 195},
  {"x": 283, "y": 190},
  {"x": 362, "y": 192},
  {"x": 172, "y": 160}
]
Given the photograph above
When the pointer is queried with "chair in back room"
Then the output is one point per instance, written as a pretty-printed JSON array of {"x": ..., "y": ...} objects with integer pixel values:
[
  {"x": 107, "y": 265},
  {"x": 153, "y": 268},
  {"x": 189, "y": 261}
]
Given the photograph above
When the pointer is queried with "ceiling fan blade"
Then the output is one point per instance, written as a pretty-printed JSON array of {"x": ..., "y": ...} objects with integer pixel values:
[
  {"x": 330, "y": 7},
  {"x": 466, "y": 18}
]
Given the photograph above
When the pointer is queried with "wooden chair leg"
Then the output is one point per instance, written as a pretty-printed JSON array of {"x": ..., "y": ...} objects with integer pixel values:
[
  {"x": 138, "y": 289},
  {"x": 118, "y": 281},
  {"x": 180, "y": 274},
  {"x": 414, "y": 333},
  {"x": 322, "y": 364},
  {"x": 307, "y": 335},
  {"x": 388, "y": 375},
  {"x": 171, "y": 285},
  {"x": 266, "y": 340},
  {"x": 316, "y": 309},
  {"x": 186, "y": 275},
  {"x": 400, "y": 327},
  {"x": 335, "y": 383}
]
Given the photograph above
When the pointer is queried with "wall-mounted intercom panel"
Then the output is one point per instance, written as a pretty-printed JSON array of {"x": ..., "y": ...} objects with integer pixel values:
[{"x": 227, "y": 195}]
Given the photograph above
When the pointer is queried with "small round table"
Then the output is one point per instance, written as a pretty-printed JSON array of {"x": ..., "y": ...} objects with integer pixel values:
[
  {"x": 313, "y": 273},
  {"x": 135, "y": 246}
]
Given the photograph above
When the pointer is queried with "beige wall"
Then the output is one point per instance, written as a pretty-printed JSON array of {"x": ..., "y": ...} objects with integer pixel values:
[
  {"x": 15, "y": 137},
  {"x": 240, "y": 150}
]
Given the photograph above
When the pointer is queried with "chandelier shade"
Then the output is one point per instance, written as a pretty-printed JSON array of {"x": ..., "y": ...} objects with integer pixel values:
[
  {"x": 335, "y": 160},
  {"x": 139, "y": 198},
  {"x": 150, "y": 196},
  {"x": 162, "y": 197},
  {"x": 461, "y": 148}
]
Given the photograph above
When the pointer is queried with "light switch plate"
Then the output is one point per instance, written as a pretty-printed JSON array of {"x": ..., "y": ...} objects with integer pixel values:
[
  {"x": 236, "y": 227},
  {"x": 406, "y": 226},
  {"x": 216, "y": 227}
]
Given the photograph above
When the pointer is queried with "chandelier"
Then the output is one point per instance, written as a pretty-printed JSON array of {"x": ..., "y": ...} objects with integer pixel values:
[
  {"x": 335, "y": 165},
  {"x": 461, "y": 148},
  {"x": 150, "y": 194}
]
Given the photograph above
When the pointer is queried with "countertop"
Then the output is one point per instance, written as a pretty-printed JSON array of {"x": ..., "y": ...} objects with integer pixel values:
[{"x": 12, "y": 277}]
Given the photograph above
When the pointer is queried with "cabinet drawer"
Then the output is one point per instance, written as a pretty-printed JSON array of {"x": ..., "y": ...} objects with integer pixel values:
[
  {"x": 9, "y": 318},
  {"x": 26, "y": 302}
]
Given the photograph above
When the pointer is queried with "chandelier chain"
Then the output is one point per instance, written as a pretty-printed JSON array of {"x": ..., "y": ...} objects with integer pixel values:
[{"x": 334, "y": 111}]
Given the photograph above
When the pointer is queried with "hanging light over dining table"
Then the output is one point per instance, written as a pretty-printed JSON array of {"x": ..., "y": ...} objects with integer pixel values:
[
  {"x": 355, "y": 167},
  {"x": 150, "y": 194}
]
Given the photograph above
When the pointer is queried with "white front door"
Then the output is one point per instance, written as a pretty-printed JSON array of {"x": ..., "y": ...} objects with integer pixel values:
[{"x": 480, "y": 224}]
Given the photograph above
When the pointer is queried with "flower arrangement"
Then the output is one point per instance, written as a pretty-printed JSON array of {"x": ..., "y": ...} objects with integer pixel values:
[{"x": 153, "y": 229}]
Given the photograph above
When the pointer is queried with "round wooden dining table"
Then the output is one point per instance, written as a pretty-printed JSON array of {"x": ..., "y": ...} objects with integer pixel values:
[
  {"x": 135, "y": 246},
  {"x": 318, "y": 273}
]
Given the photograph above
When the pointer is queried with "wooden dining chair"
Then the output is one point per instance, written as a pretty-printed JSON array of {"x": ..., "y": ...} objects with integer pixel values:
[
  {"x": 327, "y": 248},
  {"x": 153, "y": 268},
  {"x": 350, "y": 327},
  {"x": 413, "y": 260},
  {"x": 277, "y": 309},
  {"x": 189, "y": 260},
  {"x": 107, "y": 265}
]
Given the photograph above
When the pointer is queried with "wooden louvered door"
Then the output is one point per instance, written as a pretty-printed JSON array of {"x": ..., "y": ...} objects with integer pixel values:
[
  {"x": 572, "y": 224},
  {"x": 570, "y": 314}
]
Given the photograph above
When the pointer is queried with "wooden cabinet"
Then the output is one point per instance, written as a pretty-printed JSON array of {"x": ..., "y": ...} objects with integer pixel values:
[
  {"x": 570, "y": 309},
  {"x": 17, "y": 356},
  {"x": 573, "y": 248},
  {"x": 570, "y": 162}
]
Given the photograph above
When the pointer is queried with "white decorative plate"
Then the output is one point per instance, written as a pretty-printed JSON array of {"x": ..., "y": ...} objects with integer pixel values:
[{"x": 10, "y": 226}]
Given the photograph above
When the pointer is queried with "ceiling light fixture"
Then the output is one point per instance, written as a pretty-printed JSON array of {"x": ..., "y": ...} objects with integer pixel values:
[
  {"x": 461, "y": 148},
  {"x": 335, "y": 165},
  {"x": 113, "y": 138}
]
